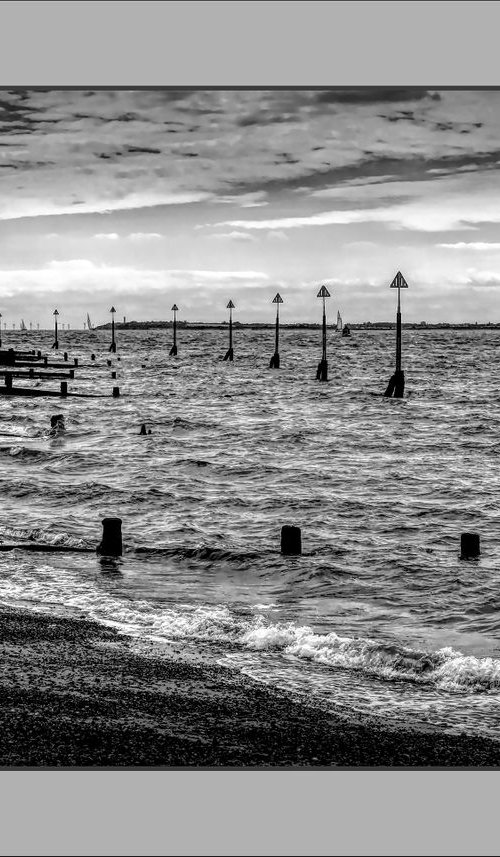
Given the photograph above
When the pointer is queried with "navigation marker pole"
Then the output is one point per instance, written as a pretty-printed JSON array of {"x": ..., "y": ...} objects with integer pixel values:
[
  {"x": 396, "y": 385},
  {"x": 112, "y": 347},
  {"x": 56, "y": 343},
  {"x": 229, "y": 353},
  {"x": 173, "y": 350},
  {"x": 322, "y": 371},
  {"x": 275, "y": 359}
]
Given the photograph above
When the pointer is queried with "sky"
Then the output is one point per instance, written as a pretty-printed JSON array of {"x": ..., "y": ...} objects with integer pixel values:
[{"x": 145, "y": 198}]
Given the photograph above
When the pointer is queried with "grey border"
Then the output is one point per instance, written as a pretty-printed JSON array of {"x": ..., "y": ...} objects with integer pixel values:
[
  {"x": 85, "y": 43},
  {"x": 254, "y": 44}
]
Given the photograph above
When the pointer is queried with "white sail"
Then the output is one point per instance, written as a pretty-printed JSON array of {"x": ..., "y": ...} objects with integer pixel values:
[
  {"x": 339, "y": 322},
  {"x": 89, "y": 325},
  {"x": 23, "y": 326}
]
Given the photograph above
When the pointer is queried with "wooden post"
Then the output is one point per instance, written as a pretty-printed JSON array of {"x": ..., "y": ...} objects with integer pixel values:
[
  {"x": 469, "y": 545},
  {"x": 291, "y": 540},
  {"x": 275, "y": 359},
  {"x": 229, "y": 353},
  {"x": 111, "y": 543}
]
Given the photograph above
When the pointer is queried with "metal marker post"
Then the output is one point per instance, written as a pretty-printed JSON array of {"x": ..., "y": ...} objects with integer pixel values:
[
  {"x": 229, "y": 353},
  {"x": 112, "y": 347},
  {"x": 173, "y": 350},
  {"x": 56, "y": 342},
  {"x": 322, "y": 371},
  {"x": 275, "y": 359},
  {"x": 396, "y": 385}
]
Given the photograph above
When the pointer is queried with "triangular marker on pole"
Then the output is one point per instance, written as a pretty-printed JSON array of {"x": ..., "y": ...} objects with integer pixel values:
[
  {"x": 399, "y": 282},
  {"x": 323, "y": 293}
]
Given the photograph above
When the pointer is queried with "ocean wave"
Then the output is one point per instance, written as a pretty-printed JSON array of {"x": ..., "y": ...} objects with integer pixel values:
[
  {"x": 37, "y": 534},
  {"x": 207, "y": 554},
  {"x": 25, "y": 452},
  {"x": 446, "y": 668}
]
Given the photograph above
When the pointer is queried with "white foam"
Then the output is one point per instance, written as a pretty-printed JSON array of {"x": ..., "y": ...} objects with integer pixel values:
[{"x": 45, "y": 588}]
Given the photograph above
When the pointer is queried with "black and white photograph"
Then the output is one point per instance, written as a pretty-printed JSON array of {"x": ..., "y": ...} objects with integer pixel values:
[
  {"x": 249, "y": 429},
  {"x": 249, "y": 381}
]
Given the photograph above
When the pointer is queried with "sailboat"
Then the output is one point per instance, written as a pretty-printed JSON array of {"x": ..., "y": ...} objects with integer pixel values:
[
  {"x": 89, "y": 325},
  {"x": 339, "y": 322},
  {"x": 23, "y": 326}
]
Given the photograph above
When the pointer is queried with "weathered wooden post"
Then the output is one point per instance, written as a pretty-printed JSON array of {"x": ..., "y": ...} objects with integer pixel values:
[
  {"x": 173, "y": 350},
  {"x": 111, "y": 544},
  {"x": 56, "y": 342},
  {"x": 291, "y": 540},
  {"x": 322, "y": 370},
  {"x": 275, "y": 359},
  {"x": 396, "y": 385},
  {"x": 112, "y": 347},
  {"x": 469, "y": 545},
  {"x": 229, "y": 355}
]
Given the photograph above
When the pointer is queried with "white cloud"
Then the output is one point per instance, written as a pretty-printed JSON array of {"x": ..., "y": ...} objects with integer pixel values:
[
  {"x": 234, "y": 236},
  {"x": 222, "y": 275},
  {"x": 144, "y": 236},
  {"x": 72, "y": 277},
  {"x": 245, "y": 200},
  {"x": 107, "y": 236},
  {"x": 472, "y": 245},
  {"x": 484, "y": 279}
]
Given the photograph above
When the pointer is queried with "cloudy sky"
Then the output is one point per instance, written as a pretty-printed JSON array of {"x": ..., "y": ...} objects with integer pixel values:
[{"x": 145, "y": 198}]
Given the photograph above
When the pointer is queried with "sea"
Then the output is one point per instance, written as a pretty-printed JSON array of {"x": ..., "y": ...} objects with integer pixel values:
[{"x": 379, "y": 615}]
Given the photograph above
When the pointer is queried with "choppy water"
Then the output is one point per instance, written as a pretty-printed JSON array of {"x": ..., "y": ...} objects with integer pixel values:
[{"x": 379, "y": 614}]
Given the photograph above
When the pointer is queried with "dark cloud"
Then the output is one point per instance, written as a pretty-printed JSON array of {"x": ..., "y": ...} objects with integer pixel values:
[
  {"x": 263, "y": 117},
  {"x": 388, "y": 168},
  {"x": 143, "y": 150},
  {"x": 372, "y": 95}
]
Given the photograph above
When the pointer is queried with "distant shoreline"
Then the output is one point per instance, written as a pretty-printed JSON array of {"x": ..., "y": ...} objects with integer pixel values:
[{"x": 365, "y": 325}]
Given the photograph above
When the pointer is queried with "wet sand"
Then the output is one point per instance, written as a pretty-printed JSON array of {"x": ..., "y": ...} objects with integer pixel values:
[{"x": 74, "y": 694}]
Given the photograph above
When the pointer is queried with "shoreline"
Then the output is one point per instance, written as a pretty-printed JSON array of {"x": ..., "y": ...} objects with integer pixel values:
[{"x": 74, "y": 695}]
